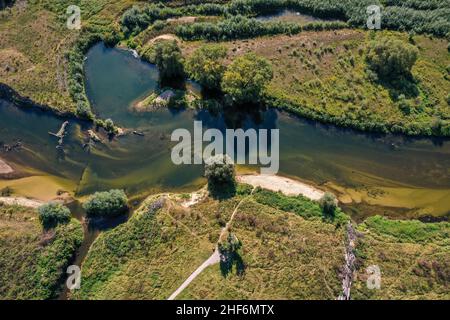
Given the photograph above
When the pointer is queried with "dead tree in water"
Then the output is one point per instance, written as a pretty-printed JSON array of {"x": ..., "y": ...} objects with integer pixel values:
[{"x": 60, "y": 134}]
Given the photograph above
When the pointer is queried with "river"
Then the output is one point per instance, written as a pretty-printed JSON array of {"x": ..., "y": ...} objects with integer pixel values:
[{"x": 384, "y": 174}]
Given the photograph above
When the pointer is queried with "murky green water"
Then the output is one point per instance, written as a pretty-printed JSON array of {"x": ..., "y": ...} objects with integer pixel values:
[{"x": 395, "y": 166}]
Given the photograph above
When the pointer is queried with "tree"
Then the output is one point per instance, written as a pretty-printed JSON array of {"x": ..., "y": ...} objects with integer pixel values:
[
  {"x": 328, "y": 203},
  {"x": 109, "y": 203},
  {"x": 206, "y": 65},
  {"x": 219, "y": 169},
  {"x": 391, "y": 59},
  {"x": 230, "y": 255},
  {"x": 246, "y": 78},
  {"x": 51, "y": 214},
  {"x": 109, "y": 126},
  {"x": 169, "y": 60}
]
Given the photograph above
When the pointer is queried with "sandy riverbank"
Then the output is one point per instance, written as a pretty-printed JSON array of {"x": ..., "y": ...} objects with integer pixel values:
[
  {"x": 5, "y": 168},
  {"x": 285, "y": 185},
  {"x": 24, "y": 202}
]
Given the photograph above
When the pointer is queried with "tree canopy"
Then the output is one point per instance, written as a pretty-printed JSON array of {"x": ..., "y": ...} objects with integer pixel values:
[
  {"x": 108, "y": 203},
  {"x": 246, "y": 78},
  {"x": 219, "y": 169},
  {"x": 169, "y": 60},
  {"x": 53, "y": 213},
  {"x": 391, "y": 58},
  {"x": 206, "y": 65}
]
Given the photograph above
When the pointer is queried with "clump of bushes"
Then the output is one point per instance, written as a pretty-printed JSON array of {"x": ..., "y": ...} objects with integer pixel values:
[
  {"x": 236, "y": 27},
  {"x": 51, "y": 214},
  {"x": 246, "y": 78},
  {"x": 299, "y": 205},
  {"x": 229, "y": 250},
  {"x": 76, "y": 74},
  {"x": 220, "y": 172},
  {"x": 328, "y": 204},
  {"x": 391, "y": 58},
  {"x": 219, "y": 169},
  {"x": 206, "y": 65},
  {"x": 106, "y": 204},
  {"x": 168, "y": 58}
]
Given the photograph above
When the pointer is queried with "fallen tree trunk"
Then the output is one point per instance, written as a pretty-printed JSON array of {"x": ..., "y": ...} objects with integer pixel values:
[{"x": 61, "y": 133}]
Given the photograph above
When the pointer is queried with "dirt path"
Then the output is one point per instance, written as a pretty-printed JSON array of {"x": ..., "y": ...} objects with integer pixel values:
[
  {"x": 24, "y": 202},
  {"x": 287, "y": 186},
  {"x": 213, "y": 259}
]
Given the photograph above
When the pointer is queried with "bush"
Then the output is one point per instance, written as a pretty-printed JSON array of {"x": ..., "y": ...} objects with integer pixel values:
[
  {"x": 328, "y": 204},
  {"x": 109, "y": 203},
  {"x": 109, "y": 126},
  {"x": 219, "y": 169},
  {"x": 246, "y": 78},
  {"x": 391, "y": 59},
  {"x": 236, "y": 27},
  {"x": 206, "y": 65},
  {"x": 51, "y": 214},
  {"x": 169, "y": 60}
]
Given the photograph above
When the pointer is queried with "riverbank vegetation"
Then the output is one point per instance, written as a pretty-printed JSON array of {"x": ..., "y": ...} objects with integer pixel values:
[
  {"x": 273, "y": 242},
  {"x": 327, "y": 76},
  {"x": 51, "y": 214},
  {"x": 33, "y": 260},
  {"x": 164, "y": 243},
  {"x": 413, "y": 257},
  {"x": 106, "y": 204}
]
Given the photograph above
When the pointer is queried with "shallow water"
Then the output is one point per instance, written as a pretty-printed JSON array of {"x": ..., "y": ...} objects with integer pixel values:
[{"x": 382, "y": 170}]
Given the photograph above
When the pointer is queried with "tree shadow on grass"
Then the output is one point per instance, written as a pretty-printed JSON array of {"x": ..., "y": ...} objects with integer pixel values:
[
  {"x": 402, "y": 85},
  {"x": 228, "y": 260},
  {"x": 222, "y": 191}
]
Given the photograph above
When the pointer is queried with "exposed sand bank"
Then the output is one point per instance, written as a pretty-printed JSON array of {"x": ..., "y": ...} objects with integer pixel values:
[
  {"x": 24, "y": 202},
  {"x": 5, "y": 168},
  {"x": 285, "y": 185}
]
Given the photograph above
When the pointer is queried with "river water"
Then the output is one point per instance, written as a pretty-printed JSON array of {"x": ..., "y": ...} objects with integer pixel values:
[{"x": 382, "y": 174}]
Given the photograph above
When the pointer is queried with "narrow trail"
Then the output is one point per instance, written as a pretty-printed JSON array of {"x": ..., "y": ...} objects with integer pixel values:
[{"x": 213, "y": 259}]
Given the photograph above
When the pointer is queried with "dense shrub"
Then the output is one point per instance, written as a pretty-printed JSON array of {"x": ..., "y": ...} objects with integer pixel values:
[
  {"x": 417, "y": 16},
  {"x": 109, "y": 203},
  {"x": 76, "y": 73},
  {"x": 51, "y": 214},
  {"x": 169, "y": 60},
  {"x": 299, "y": 205},
  {"x": 391, "y": 58},
  {"x": 328, "y": 204},
  {"x": 246, "y": 78},
  {"x": 219, "y": 169},
  {"x": 206, "y": 65},
  {"x": 236, "y": 27},
  {"x": 136, "y": 19}
]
